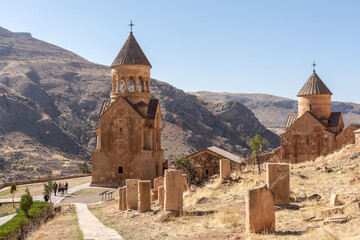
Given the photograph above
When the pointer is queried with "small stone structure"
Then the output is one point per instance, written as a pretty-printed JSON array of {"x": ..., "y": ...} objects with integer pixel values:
[
  {"x": 207, "y": 161},
  {"x": 144, "y": 197},
  {"x": 334, "y": 200},
  {"x": 259, "y": 210},
  {"x": 120, "y": 198},
  {"x": 225, "y": 169},
  {"x": 357, "y": 137},
  {"x": 184, "y": 176},
  {"x": 278, "y": 181},
  {"x": 159, "y": 181},
  {"x": 161, "y": 195},
  {"x": 124, "y": 205},
  {"x": 132, "y": 193},
  {"x": 173, "y": 191}
]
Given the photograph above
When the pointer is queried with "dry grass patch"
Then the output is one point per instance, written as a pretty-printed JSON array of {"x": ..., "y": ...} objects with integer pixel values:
[
  {"x": 7, "y": 209},
  {"x": 64, "y": 225},
  {"x": 216, "y": 210}
]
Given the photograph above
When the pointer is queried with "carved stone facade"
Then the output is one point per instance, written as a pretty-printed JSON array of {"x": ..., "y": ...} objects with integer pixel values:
[
  {"x": 208, "y": 161},
  {"x": 314, "y": 131},
  {"x": 129, "y": 133}
]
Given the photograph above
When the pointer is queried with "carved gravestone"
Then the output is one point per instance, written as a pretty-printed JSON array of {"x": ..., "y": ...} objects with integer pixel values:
[
  {"x": 278, "y": 181},
  {"x": 173, "y": 191},
  {"x": 132, "y": 193},
  {"x": 259, "y": 210},
  {"x": 144, "y": 191}
]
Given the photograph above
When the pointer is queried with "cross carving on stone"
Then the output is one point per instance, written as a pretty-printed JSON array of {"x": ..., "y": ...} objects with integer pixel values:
[{"x": 131, "y": 25}]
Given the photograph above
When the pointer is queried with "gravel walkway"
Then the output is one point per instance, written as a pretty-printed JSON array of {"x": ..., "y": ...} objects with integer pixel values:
[{"x": 91, "y": 227}]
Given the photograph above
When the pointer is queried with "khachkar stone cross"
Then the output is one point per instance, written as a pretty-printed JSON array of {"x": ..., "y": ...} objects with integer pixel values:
[
  {"x": 131, "y": 25},
  {"x": 314, "y": 64}
]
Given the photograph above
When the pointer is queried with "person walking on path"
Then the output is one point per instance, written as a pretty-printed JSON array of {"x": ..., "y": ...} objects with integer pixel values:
[
  {"x": 55, "y": 187},
  {"x": 66, "y": 187}
]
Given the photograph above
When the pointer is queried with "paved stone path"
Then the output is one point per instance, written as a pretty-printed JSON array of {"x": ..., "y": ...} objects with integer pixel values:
[
  {"x": 55, "y": 200},
  {"x": 5, "y": 219},
  {"x": 91, "y": 227}
]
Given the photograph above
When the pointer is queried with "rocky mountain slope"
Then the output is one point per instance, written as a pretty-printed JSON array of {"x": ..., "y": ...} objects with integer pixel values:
[
  {"x": 272, "y": 111},
  {"x": 50, "y": 99}
]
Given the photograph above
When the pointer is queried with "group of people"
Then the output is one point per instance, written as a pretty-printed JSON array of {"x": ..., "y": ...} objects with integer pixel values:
[{"x": 60, "y": 188}]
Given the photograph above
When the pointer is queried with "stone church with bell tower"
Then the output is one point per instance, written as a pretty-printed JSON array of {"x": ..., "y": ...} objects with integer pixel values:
[
  {"x": 129, "y": 133},
  {"x": 315, "y": 130}
]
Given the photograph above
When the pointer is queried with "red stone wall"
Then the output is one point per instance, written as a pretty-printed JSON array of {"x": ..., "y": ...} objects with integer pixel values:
[
  {"x": 306, "y": 141},
  {"x": 347, "y": 136}
]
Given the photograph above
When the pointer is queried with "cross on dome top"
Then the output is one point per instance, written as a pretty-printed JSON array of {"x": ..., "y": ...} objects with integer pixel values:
[
  {"x": 131, "y": 25},
  {"x": 314, "y": 64}
]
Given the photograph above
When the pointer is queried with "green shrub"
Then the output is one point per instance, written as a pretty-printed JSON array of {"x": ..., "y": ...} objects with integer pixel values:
[
  {"x": 19, "y": 225},
  {"x": 185, "y": 165},
  {"x": 26, "y": 202},
  {"x": 85, "y": 169}
]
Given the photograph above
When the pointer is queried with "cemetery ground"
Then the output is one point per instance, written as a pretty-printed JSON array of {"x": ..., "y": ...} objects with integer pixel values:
[{"x": 216, "y": 211}]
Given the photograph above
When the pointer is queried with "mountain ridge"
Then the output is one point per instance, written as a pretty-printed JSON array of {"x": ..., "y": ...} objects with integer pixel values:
[{"x": 67, "y": 91}]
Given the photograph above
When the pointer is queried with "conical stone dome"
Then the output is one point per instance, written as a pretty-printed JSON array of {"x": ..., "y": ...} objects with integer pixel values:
[
  {"x": 131, "y": 53},
  {"x": 313, "y": 86}
]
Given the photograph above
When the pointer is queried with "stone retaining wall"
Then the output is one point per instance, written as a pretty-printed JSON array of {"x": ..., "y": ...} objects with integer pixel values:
[{"x": 39, "y": 180}]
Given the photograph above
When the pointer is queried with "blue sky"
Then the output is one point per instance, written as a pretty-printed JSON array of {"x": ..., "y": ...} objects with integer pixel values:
[{"x": 223, "y": 46}]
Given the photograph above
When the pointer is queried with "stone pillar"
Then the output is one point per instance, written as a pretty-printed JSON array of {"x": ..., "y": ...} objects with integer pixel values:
[
  {"x": 184, "y": 176},
  {"x": 259, "y": 210},
  {"x": 144, "y": 196},
  {"x": 225, "y": 169},
  {"x": 124, "y": 205},
  {"x": 120, "y": 198},
  {"x": 161, "y": 195},
  {"x": 158, "y": 182},
  {"x": 132, "y": 193},
  {"x": 173, "y": 191},
  {"x": 334, "y": 200},
  {"x": 278, "y": 181}
]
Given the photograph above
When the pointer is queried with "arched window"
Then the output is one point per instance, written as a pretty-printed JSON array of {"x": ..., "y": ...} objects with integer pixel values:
[
  {"x": 131, "y": 85},
  {"x": 138, "y": 86},
  {"x": 122, "y": 85}
]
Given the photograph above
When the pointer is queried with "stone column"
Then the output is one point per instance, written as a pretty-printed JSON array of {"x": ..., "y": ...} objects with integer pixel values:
[
  {"x": 120, "y": 198},
  {"x": 144, "y": 196},
  {"x": 225, "y": 169},
  {"x": 161, "y": 195},
  {"x": 278, "y": 181},
  {"x": 259, "y": 210},
  {"x": 124, "y": 205},
  {"x": 184, "y": 176},
  {"x": 173, "y": 191},
  {"x": 132, "y": 193}
]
